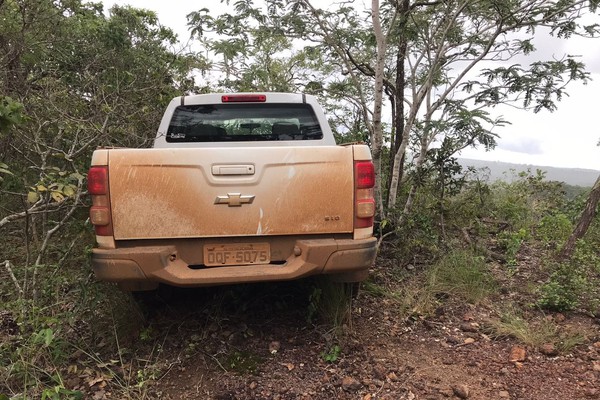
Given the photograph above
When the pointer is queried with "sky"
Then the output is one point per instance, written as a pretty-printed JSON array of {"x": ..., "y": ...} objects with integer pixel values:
[{"x": 567, "y": 137}]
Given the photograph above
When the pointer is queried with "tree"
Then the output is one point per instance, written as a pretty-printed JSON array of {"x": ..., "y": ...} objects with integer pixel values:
[
  {"x": 585, "y": 219},
  {"x": 445, "y": 64},
  {"x": 81, "y": 80}
]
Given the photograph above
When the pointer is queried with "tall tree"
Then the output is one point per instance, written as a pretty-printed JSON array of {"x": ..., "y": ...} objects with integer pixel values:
[{"x": 446, "y": 65}]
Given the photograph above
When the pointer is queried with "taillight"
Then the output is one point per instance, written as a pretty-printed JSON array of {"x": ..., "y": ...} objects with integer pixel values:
[
  {"x": 98, "y": 180},
  {"x": 364, "y": 201},
  {"x": 244, "y": 98},
  {"x": 364, "y": 174},
  {"x": 100, "y": 215}
]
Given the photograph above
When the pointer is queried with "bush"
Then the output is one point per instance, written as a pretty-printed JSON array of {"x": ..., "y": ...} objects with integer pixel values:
[
  {"x": 512, "y": 242},
  {"x": 554, "y": 228},
  {"x": 574, "y": 283}
]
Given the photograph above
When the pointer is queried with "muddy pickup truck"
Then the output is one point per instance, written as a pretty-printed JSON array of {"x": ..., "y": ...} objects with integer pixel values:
[{"x": 238, "y": 188}]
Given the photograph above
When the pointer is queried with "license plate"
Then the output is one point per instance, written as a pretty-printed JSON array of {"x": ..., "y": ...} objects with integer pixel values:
[{"x": 236, "y": 254}]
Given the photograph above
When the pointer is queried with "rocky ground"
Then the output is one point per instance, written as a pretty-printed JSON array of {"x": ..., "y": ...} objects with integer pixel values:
[
  {"x": 263, "y": 342},
  {"x": 445, "y": 356}
]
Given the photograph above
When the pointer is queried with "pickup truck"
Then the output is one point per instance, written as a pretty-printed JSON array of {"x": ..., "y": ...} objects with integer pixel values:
[{"x": 240, "y": 187}]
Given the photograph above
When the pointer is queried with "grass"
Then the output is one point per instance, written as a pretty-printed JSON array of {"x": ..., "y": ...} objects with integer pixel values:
[
  {"x": 332, "y": 302},
  {"x": 536, "y": 333},
  {"x": 462, "y": 274}
]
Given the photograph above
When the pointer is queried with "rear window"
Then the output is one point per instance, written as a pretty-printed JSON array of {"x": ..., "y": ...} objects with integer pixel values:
[{"x": 243, "y": 122}]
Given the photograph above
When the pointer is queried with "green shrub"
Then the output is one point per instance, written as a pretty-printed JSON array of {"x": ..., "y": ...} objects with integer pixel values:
[
  {"x": 574, "y": 283},
  {"x": 554, "y": 228},
  {"x": 512, "y": 242}
]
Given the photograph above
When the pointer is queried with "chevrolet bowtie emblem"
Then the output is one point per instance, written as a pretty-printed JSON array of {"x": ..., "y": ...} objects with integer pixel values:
[{"x": 234, "y": 199}]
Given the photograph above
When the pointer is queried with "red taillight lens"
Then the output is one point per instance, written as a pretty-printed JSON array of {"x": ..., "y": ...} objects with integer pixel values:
[
  {"x": 100, "y": 215},
  {"x": 244, "y": 98},
  {"x": 98, "y": 180},
  {"x": 364, "y": 202},
  {"x": 364, "y": 172}
]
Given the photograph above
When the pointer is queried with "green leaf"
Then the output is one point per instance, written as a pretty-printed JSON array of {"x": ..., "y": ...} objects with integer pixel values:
[{"x": 48, "y": 336}]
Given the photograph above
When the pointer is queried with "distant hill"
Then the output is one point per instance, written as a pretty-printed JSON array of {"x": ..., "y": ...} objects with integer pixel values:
[{"x": 502, "y": 171}]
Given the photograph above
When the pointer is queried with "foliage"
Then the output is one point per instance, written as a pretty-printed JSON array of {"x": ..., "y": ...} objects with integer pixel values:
[
  {"x": 554, "y": 228},
  {"x": 243, "y": 362},
  {"x": 332, "y": 354},
  {"x": 512, "y": 241},
  {"x": 11, "y": 113},
  {"x": 525, "y": 201},
  {"x": 71, "y": 78},
  {"x": 94, "y": 80},
  {"x": 421, "y": 55},
  {"x": 574, "y": 283}
]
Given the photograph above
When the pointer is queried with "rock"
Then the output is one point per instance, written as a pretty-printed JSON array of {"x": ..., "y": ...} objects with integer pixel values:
[
  {"x": 592, "y": 393},
  {"x": 468, "y": 327},
  {"x": 446, "y": 392},
  {"x": 469, "y": 340},
  {"x": 461, "y": 391},
  {"x": 453, "y": 340},
  {"x": 517, "y": 354},
  {"x": 549, "y": 350},
  {"x": 350, "y": 384},
  {"x": 503, "y": 394},
  {"x": 379, "y": 371},
  {"x": 274, "y": 347}
]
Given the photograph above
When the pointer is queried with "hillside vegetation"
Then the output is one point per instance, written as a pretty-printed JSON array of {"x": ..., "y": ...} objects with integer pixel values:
[{"x": 509, "y": 172}]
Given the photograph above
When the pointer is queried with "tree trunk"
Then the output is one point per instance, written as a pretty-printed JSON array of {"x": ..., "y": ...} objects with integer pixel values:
[
  {"x": 378, "y": 103},
  {"x": 585, "y": 220},
  {"x": 397, "y": 166}
]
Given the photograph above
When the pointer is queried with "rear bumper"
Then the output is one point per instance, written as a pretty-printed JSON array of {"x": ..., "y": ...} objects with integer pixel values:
[{"x": 348, "y": 259}]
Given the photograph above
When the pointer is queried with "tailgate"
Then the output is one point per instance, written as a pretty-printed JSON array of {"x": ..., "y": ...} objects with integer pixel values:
[{"x": 234, "y": 191}]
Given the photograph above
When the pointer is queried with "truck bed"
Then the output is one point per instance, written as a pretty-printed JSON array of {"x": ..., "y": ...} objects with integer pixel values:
[{"x": 192, "y": 193}]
